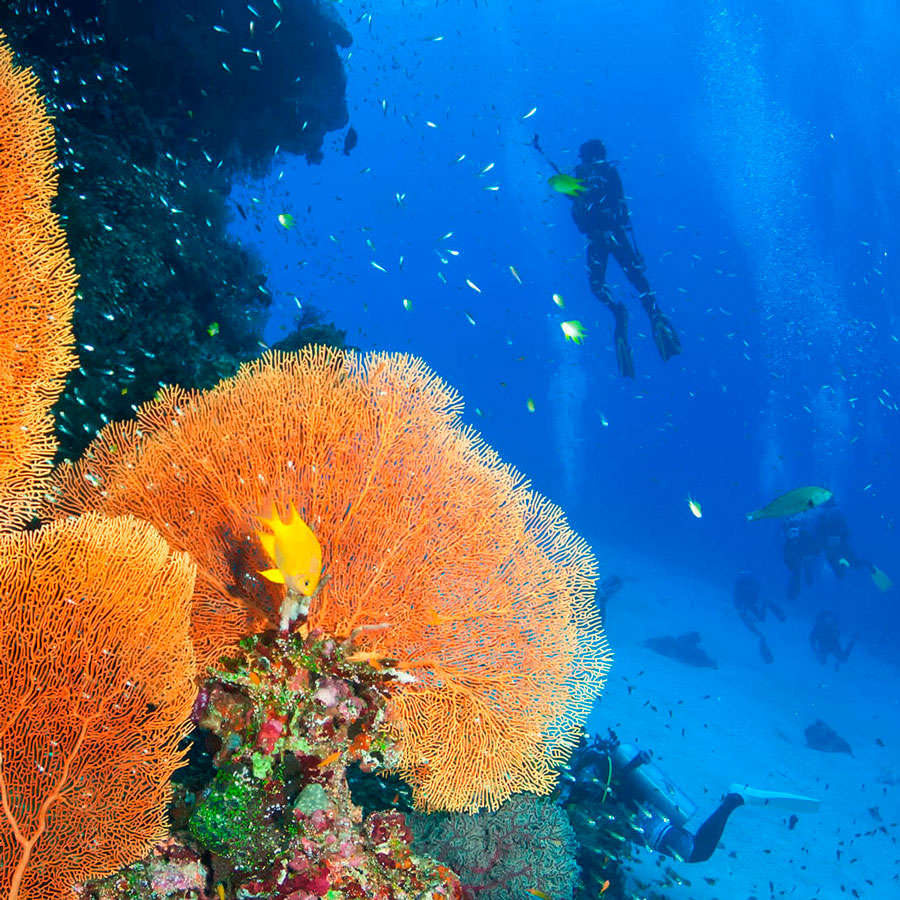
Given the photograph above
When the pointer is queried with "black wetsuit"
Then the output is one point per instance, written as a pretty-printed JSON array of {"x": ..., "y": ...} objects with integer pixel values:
[
  {"x": 800, "y": 548},
  {"x": 596, "y": 785},
  {"x": 751, "y": 606},
  {"x": 601, "y": 214},
  {"x": 679, "y": 843},
  {"x": 825, "y": 640},
  {"x": 833, "y": 536}
]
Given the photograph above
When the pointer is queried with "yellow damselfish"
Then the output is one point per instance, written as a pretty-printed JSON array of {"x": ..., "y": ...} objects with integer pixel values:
[
  {"x": 295, "y": 550},
  {"x": 566, "y": 184}
]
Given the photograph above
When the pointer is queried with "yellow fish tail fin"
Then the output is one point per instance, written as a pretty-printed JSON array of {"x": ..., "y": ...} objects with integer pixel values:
[{"x": 273, "y": 575}]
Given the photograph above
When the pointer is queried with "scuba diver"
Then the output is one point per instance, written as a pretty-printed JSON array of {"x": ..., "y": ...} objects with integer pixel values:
[
  {"x": 605, "y": 592},
  {"x": 617, "y": 798},
  {"x": 823, "y": 530},
  {"x": 825, "y": 640},
  {"x": 833, "y": 536},
  {"x": 751, "y": 606},
  {"x": 643, "y": 806},
  {"x": 601, "y": 214},
  {"x": 800, "y": 547}
]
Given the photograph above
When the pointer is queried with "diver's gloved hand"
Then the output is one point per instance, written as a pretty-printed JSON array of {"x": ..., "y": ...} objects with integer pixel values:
[{"x": 664, "y": 336}]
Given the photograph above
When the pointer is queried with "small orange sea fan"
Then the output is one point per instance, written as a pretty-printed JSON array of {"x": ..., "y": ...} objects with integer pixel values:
[
  {"x": 475, "y": 584},
  {"x": 37, "y": 290},
  {"x": 96, "y": 684}
]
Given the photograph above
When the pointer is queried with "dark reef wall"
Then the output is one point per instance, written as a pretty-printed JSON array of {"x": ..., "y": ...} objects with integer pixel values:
[
  {"x": 156, "y": 108},
  {"x": 236, "y": 83}
]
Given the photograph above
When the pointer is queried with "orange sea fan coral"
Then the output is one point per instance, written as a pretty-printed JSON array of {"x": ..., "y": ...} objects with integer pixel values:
[
  {"x": 96, "y": 682},
  {"x": 476, "y": 585},
  {"x": 37, "y": 289}
]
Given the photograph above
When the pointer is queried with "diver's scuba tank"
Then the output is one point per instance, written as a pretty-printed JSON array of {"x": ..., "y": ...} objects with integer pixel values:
[{"x": 650, "y": 785}]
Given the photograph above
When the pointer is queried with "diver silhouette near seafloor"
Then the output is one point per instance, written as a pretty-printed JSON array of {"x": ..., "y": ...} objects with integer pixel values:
[
  {"x": 752, "y": 606},
  {"x": 600, "y": 212},
  {"x": 617, "y": 799}
]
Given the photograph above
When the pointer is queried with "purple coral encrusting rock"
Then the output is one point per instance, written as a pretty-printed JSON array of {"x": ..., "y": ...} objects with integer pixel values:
[
  {"x": 172, "y": 871},
  {"x": 285, "y": 718}
]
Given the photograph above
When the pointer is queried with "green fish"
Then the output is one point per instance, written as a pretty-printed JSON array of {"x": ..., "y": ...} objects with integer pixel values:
[
  {"x": 573, "y": 330},
  {"x": 566, "y": 184},
  {"x": 791, "y": 503}
]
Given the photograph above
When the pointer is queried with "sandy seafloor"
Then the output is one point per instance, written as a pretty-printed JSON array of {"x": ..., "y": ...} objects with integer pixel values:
[{"x": 745, "y": 722}]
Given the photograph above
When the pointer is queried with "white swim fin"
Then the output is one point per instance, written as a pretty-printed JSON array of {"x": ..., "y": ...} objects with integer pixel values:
[
  {"x": 882, "y": 582},
  {"x": 778, "y": 799}
]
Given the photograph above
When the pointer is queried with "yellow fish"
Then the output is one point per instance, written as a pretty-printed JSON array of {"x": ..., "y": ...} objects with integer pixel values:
[
  {"x": 695, "y": 507},
  {"x": 286, "y": 220},
  {"x": 295, "y": 550},
  {"x": 573, "y": 330},
  {"x": 791, "y": 503},
  {"x": 566, "y": 184}
]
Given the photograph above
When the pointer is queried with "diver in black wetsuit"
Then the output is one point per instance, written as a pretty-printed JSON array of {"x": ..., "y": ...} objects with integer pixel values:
[
  {"x": 617, "y": 799},
  {"x": 751, "y": 606},
  {"x": 833, "y": 536},
  {"x": 825, "y": 640},
  {"x": 800, "y": 548},
  {"x": 605, "y": 592},
  {"x": 618, "y": 787},
  {"x": 823, "y": 530},
  {"x": 601, "y": 213}
]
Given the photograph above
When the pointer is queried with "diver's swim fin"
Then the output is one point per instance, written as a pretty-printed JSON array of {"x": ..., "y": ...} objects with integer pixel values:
[
  {"x": 664, "y": 336},
  {"x": 623, "y": 349},
  {"x": 624, "y": 357},
  {"x": 882, "y": 582},
  {"x": 777, "y": 799}
]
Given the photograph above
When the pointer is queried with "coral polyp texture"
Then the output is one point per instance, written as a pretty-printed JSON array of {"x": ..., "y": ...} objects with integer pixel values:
[
  {"x": 96, "y": 684},
  {"x": 500, "y": 854},
  {"x": 37, "y": 292},
  {"x": 288, "y": 715},
  {"x": 439, "y": 560}
]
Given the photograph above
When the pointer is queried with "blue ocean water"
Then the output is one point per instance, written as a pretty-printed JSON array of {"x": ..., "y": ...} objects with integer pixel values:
[
  {"x": 758, "y": 144},
  {"x": 758, "y": 148}
]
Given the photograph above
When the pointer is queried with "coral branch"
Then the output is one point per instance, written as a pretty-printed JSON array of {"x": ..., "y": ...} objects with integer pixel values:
[
  {"x": 37, "y": 291},
  {"x": 96, "y": 682},
  {"x": 487, "y": 592}
]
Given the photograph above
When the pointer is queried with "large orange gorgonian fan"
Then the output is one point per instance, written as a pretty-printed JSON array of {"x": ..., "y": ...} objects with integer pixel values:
[
  {"x": 96, "y": 684},
  {"x": 37, "y": 291},
  {"x": 437, "y": 553}
]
